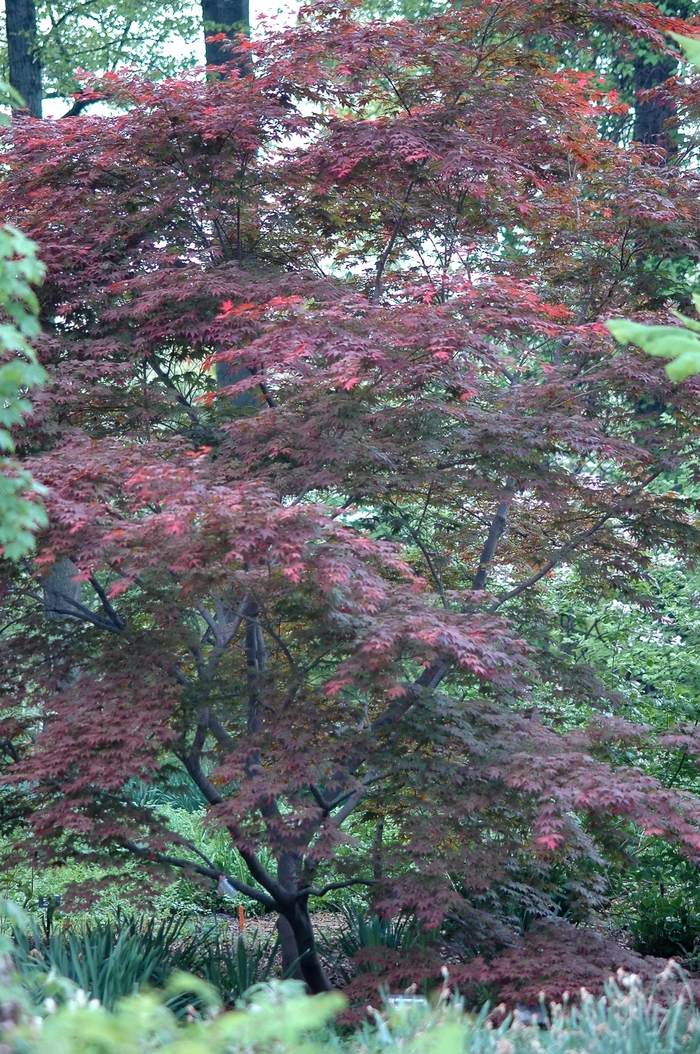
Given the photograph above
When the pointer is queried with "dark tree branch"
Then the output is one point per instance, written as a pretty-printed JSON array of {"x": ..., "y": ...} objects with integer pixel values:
[
  {"x": 382, "y": 261},
  {"x": 79, "y": 105},
  {"x": 322, "y": 803},
  {"x": 209, "y": 872},
  {"x": 222, "y": 737},
  {"x": 498, "y": 526},
  {"x": 309, "y": 891},
  {"x": 75, "y": 610},
  {"x": 170, "y": 383},
  {"x": 104, "y": 599},
  {"x": 8, "y": 748},
  {"x": 192, "y": 762},
  {"x": 222, "y": 631}
]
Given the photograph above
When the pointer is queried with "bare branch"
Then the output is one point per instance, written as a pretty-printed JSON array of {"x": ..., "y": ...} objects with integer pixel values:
[
  {"x": 309, "y": 891},
  {"x": 353, "y": 797},
  {"x": 75, "y": 610},
  {"x": 170, "y": 383},
  {"x": 192, "y": 763},
  {"x": 210, "y": 621},
  {"x": 222, "y": 737},
  {"x": 208, "y": 872},
  {"x": 323, "y": 804},
  {"x": 193, "y": 849},
  {"x": 179, "y": 676},
  {"x": 498, "y": 526},
  {"x": 104, "y": 599},
  {"x": 382, "y": 261},
  {"x": 554, "y": 560},
  {"x": 222, "y": 631}
]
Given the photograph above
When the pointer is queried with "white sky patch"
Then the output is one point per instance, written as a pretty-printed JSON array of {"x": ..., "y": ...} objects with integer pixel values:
[{"x": 274, "y": 12}]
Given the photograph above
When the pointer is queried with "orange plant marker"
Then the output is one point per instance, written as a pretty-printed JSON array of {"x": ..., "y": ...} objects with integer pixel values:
[{"x": 241, "y": 918}]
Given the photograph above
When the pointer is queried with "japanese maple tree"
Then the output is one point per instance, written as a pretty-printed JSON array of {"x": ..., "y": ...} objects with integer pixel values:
[{"x": 330, "y": 396}]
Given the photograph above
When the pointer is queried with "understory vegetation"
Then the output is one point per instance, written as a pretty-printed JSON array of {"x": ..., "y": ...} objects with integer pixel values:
[{"x": 187, "y": 1016}]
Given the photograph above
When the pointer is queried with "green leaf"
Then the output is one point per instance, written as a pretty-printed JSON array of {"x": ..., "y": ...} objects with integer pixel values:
[
  {"x": 691, "y": 323},
  {"x": 21, "y": 513},
  {"x": 690, "y": 46},
  {"x": 684, "y": 366},
  {"x": 14, "y": 914},
  {"x": 667, "y": 342},
  {"x": 9, "y": 96},
  {"x": 181, "y": 983}
]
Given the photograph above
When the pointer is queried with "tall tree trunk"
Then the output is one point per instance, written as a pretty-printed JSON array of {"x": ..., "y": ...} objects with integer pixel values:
[
  {"x": 651, "y": 115},
  {"x": 223, "y": 16},
  {"x": 62, "y": 589},
  {"x": 25, "y": 68},
  {"x": 312, "y": 970},
  {"x": 290, "y": 952},
  {"x": 650, "y": 71},
  {"x": 230, "y": 17}
]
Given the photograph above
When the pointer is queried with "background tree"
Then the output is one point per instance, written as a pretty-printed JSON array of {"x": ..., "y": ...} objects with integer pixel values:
[
  {"x": 23, "y": 59},
  {"x": 223, "y": 16},
  {"x": 47, "y": 44},
  {"x": 636, "y": 67}
]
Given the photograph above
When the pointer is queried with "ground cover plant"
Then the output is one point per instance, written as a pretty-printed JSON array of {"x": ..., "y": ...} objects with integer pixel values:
[
  {"x": 279, "y": 1016},
  {"x": 332, "y": 424}
]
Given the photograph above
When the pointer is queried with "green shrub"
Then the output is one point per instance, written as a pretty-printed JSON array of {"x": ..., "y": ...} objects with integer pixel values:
[
  {"x": 374, "y": 932},
  {"x": 233, "y": 967},
  {"x": 666, "y": 925},
  {"x": 657, "y": 902},
  {"x": 111, "y": 959},
  {"x": 277, "y": 1018},
  {"x": 107, "y": 960}
]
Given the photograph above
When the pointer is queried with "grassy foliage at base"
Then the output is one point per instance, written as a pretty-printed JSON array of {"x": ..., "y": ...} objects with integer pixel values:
[
  {"x": 108, "y": 960},
  {"x": 277, "y": 1017}
]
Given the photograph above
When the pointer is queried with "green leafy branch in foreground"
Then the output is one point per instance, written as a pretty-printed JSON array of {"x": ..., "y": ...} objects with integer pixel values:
[
  {"x": 681, "y": 346},
  {"x": 20, "y": 512}
]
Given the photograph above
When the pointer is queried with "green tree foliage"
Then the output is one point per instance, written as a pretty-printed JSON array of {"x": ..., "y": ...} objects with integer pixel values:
[
  {"x": 100, "y": 35},
  {"x": 410, "y": 9},
  {"x": 20, "y": 513}
]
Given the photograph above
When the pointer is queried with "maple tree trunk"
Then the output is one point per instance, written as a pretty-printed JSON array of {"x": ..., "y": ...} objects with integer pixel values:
[
  {"x": 223, "y": 16},
  {"x": 310, "y": 965},
  {"x": 297, "y": 933},
  {"x": 25, "y": 68},
  {"x": 290, "y": 952}
]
